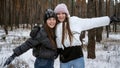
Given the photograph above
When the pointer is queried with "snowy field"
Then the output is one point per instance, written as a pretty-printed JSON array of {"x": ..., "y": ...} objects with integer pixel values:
[{"x": 107, "y": 52}]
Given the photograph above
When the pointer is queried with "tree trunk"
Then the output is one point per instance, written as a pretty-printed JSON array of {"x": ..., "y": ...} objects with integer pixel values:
[
  {"x": 91, "y": 33},
  {"x": 6, "y": 16},
  {"x": 99, "y": 13},
  {"x": 107, "y": 13}
]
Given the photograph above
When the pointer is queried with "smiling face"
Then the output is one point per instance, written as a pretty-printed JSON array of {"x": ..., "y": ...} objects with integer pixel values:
[
  {"x": 51, "y": 22},
  {"x": 61, "y": 16}
]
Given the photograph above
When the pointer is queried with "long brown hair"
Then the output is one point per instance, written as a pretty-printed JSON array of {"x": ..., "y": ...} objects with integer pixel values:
[
  {"x": 51, "y": 34},
  {"x": 66, "y": 30}
]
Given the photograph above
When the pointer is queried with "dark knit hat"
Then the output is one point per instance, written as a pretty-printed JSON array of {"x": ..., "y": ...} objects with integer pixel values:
[{"x": 48, "y": 14}]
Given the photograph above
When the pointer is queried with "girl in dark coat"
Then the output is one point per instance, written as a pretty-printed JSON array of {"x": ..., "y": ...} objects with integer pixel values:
[{"x": 42, "y": 41}]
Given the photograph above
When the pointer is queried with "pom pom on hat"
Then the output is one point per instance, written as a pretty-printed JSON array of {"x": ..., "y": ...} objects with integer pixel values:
[
  {"x": 48, "y": 14},
  {"x": 61, "y": 8}
]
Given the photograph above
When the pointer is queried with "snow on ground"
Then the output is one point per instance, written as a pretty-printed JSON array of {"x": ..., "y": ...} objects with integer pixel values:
[{"x": 107, "y": 52}]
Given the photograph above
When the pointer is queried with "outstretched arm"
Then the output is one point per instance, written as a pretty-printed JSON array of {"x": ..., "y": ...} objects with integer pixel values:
[
  {"x": 81, "y": 24},
  {"x": 21, "y": 49},
  {"x": 29, "y": 43}
]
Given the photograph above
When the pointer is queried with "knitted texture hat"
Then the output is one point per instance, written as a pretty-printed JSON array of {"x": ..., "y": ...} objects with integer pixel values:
[
  {"x": 61, "y": 8},
  {"x": 48, "y": 14}
]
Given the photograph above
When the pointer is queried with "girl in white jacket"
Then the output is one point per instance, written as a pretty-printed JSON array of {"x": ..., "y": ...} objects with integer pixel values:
[{"x": 68, "y": 31}]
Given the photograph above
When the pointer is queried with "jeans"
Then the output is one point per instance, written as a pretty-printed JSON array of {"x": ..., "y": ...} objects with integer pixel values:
[
  {"x": 44, "y": 63},
  {"x": 77, "y": 63}
]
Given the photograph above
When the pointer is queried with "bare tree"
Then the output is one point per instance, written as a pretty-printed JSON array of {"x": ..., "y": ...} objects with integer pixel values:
[
  {"x": 91, "y": 33},
  {"x": 99, "y": 12}
]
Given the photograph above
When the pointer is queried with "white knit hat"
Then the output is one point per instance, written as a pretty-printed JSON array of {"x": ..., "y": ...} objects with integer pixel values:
[{"x": 61, "y": 8}]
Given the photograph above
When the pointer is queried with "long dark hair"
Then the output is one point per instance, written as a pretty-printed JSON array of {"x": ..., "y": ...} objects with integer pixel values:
[
  {"x": 51, "y": 34},
  {"x": 66, "y": 30}
]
